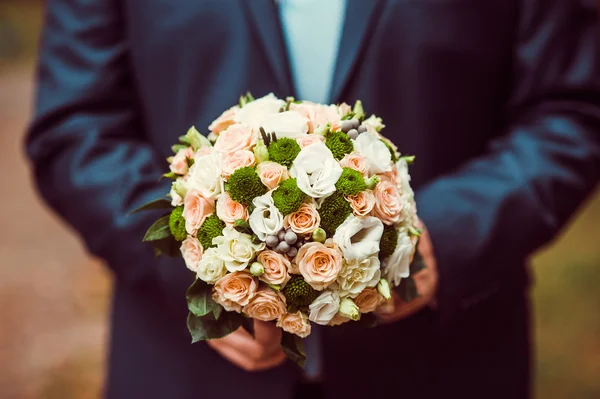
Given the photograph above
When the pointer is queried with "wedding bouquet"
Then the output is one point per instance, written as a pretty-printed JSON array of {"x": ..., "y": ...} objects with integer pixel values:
[{"x": 291, "y": 212}]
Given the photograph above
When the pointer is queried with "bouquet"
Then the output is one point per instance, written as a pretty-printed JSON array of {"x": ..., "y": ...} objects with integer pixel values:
[{"x": 292, "y": 212}]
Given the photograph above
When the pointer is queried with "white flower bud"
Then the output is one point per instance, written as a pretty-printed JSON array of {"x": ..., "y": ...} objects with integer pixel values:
[
  {"x": 196, "y": 140},
  {"x": 349, "y": 309},
  {"x": 261, "y": 152},
  {"x": 257, "y": 269},
  {"x": 384, "y": 289}
]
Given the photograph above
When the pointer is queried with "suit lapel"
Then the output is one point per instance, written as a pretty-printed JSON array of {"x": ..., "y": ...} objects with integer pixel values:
[
  {"x": 266, "y": 22},
  {"x": 360, "y": 15}
]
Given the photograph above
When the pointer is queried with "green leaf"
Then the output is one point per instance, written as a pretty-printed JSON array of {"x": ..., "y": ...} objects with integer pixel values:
[
  {"x": 242, "y": 226},
  {"x": 417, "y": 264},
  {"x": 177, "y": 147},
  {"x": 200, "y": 302},
  {"x": 161, "y": 203},
  {"x": 408, "y": 158},
  {"x": 294, "y": 348},
  {"x": 205, "y": 328},
  {"x": 407, "y": 290},
  {"x": 159, "y": 230},
  {"x": 170, "y": 175},
  {"x": 184, "y": 140},
  {"x": 413, "y": 231},
  {"x": 168, "y": 246}
]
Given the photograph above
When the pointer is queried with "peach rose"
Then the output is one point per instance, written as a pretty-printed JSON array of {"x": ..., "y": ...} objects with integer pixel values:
[
  {"x": 337, "y": 320},
  {"x": 235, "y": 289},
  {"x": 272, "y": 174},
  {"x": 229, "y": 210},
  {"x": 179, "y": 163},
  {"x": 276, "y": 267},
  {"x": 191, "y": 250},
  {"x": 227, "y": 304},
  {"x": 344, "y": 109},
  {"x": 236, "y": 160},
  {"x": 319, "y": 264},
  {"x": 225, "y": 120},
  {"x": 236, "y": 138},
  {"x": 195, "y": 210},
  {"x": 309, "y": 139},
  {"x": 304, "y": 221},
  {"x": 266, "y": 305},
  {"x": 362, "y": 203},
  {"x": 295, "y": 323},
  {"x": 388, "y": 203},
  {"x": 356, "y": 162},
  {"x": 204, "y": 150},
  {"x": 369, "y": 300},
  {"x": 317, "y": 114}
]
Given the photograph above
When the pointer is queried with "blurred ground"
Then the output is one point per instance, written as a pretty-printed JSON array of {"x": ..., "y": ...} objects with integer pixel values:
[{"x": 54, "y": 299}]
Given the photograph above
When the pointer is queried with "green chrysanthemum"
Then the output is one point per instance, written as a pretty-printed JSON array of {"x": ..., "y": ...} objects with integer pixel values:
[
  {"x": 284, "y": 151},
  {"x": 211, "y": 228},
  {"x": 392, "y": 152},
  {"x": 177, "y": 224},
  {"x": 334, "y": 210},
  {"x": 389, "y": 241},
  {"x": 245, "y": 185},
  {"x": 288, "y": 197},
  {"x": 350, "y": 182},
  {"x": 339, "y": 143},
  {"x": 299, "y": 293}
]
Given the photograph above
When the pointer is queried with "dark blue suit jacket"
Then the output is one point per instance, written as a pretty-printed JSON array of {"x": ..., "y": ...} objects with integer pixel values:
[{"x": 499, "y": 100}]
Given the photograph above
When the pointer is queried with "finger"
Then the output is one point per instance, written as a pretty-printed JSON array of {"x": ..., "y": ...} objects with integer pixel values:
[
  {"x": 242, "y": 360},
  {"x": 241, "y": 341}
]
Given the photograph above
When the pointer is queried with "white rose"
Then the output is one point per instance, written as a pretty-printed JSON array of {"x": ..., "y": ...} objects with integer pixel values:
[
  {"x": 211, "y": 267},
  {"x": 255, "y": 112},
  {"x": 358, "y": 238},
  {"x": 205, "y": 175},
  {"x": 265, "y": 218},
  {"x": 236, "y": 249},
  {"x": 286, "y": 124},
  {"x": 176, "y": 199},
  {"x": 378, "y": 155},
  {"x": 397, "y": 265},
  {"x": 325, "y": 307},
  {"x": 374, "y": 124},
  {"x": 316, "y": 170},
  {"x": 403, "y": 178},
  {"x": 358, "y": 275}
]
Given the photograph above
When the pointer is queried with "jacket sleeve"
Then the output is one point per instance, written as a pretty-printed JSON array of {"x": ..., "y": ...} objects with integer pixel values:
[
  {"x": 487, "y": 217},
  {"x": 90, "y": 158}
]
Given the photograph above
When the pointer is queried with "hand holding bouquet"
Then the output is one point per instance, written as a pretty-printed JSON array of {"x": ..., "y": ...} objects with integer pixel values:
[{"x": 291, "y": 212}]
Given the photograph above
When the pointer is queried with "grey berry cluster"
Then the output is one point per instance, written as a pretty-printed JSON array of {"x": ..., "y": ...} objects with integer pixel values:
[
  {"x": 352, "y": 128},
  {"x": 285, "y": 242}
]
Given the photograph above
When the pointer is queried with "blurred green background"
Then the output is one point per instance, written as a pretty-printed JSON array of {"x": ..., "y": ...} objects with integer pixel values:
[{"x": 54, "y": 298}]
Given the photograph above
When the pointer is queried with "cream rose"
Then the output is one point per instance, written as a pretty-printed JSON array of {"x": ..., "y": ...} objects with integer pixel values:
[
  {"x": 225, "y": 120},
  {"x": 272, "y": 174},
  {"x": 295, "y": 323},
  {"x": 236, "y": 160},
  {"x": 229, "y": 210},
  {"x": 236, "y": 138},
  {"x": 358, "y": 238},
  {"x": 175, "y": 193},
  {"x": 235, "y": 289},
  {"x": 265, "y": 219},
  {"x": 286, "y": 124},
  {"x": 324, "y": 308},
  {"x": 316, "y": 170},
  {"x": 276, "y": 267},
  {"x": 356, "y": 275},
  {"x": 179, "y": 163},
  {"x": 205, "y": 174},
  {"x": 376, "y": 152},
  {"x": 211, "y": 267},
  {"x": 195, "y": 210},
  {"x": 255, "y": 112},
  {"x": 319, "y": 264},
  {"x": 266, "y": 305},
  {"x": 374, "y": 125},
  {"x": 357, "y": 162},
  {"x": 305, "y": 220},
  {"x": 309, "y": 139},
  {"x": 389, "y": 206},
  {"x": 397, "y": 265},
  {"x": 362, "y": 203},
  {"x": 236, "y": 249},
  {"x": 191, "y": 250},
  {"x": 369, "y": 300}
]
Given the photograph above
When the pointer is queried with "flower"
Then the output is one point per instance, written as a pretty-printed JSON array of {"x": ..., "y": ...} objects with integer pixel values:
[
  {"x": 357, "y": 162},
  {"x": 229, "y": 210},
  {"x": 257, "y": 269},
  {"x": 235, "y": 289},
  {"x": 319, "y": 264},
  {"x": 196, "y": 208},
  {"x": 265, "y": 218},
  {"x": 191, "y": 250},
  {"x": 177, "y": 224},
  {"x": 333, "y": 211},
  {"x": 318, "y": 115},
  {"x": 316, "y": 170},
  {"x": 356, "y": 275},
  {"x": 298, "y": 292},
  {"x": 284, "y": 151},
  {"x": 236, "y": 138},
  {"x": 261, "y": 152},
  {"x": 374, "y": 124},
  {"x": 205, "y": 174},
  {"x": 397, "y": 265},
  {"x": 236, "y": 249},
  {"x": 210, "y": 229},
  {"x": 305, "y": 220},
  {"x": 350, "y": 182},
  {"x": 178, "y": 191},
  {"x": 358, "y": 238},
  {"x": 339, "y": 143},
  {"x": 403, "y": 178},
  {"x": 344, "y": 109},
  {"x": 376, "y": 152},
  {"x": 225, "y": 120},
  {"x": 236, "y": 160},
  {"x": 211, "y": 267},
  {"x": 383, "y": 287},
  {"x": 288, "y": 197},
  {"x": 245, "y": 185},
  {"x": 266, "y": 305},
  {"x": 286, "y": 124},
  {"x": 368, "y": 300},
  {"x": 349, "y": 309},
  {"x": 362, "y": 203},
  {"x": 325, "y": 307},
  {"x": 255, "y": 112},
  {"x": 179, "y": 163},
  {"x": 295, "y": 323},
  {"x": 337, "y": 320},
  {"x": 389, "y": 206},
  {"x": 272, "y": 174},
  {"x": 309, "y": 139},
  {"x": 275, "y": 268}
]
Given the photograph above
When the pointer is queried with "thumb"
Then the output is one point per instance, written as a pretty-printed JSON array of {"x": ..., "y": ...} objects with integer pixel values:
[{"x": 266, "y": 333}]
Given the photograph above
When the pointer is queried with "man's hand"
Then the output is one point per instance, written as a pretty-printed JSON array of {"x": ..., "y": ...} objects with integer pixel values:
[
  {"x": 426, "y": 281},
  {"x": 252, "y": 354}
]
